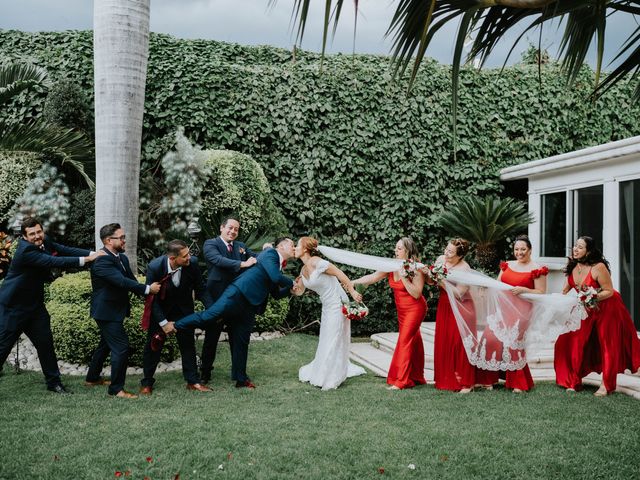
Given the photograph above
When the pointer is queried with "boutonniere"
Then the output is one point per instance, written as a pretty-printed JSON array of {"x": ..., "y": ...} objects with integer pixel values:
[{"x": 242, "y": 251}]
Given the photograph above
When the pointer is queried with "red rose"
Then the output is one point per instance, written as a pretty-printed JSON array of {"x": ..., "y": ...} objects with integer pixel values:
[
  {"x": 149, "y": 459},
  {"x": 118, "y": 474}
]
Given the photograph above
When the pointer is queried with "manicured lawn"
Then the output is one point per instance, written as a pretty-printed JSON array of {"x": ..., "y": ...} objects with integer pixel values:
[{"x": 285, "y": 429}]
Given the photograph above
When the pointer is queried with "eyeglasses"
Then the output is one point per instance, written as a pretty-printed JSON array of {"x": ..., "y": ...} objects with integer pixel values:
[{"x": 122, "y": 238}]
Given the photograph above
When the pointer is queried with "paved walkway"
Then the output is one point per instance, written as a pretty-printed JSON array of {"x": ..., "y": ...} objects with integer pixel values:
[{"x": 376, "y": 356}]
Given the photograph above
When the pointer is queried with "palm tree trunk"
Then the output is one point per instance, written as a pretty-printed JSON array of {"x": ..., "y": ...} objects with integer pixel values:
[{"x": 121, "y": 50}]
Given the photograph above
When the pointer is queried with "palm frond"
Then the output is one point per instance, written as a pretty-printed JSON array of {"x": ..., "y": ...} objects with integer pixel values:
[
  {"x": 14, "y": 78},
  {"x": 75, "y": 148}
]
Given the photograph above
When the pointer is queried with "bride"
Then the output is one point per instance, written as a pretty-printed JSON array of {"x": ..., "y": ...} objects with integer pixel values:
[{"x": 331, "y": 365}]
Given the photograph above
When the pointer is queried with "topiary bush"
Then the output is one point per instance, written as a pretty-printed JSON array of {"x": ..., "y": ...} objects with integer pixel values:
[
  {"x": 238, "y": 184},
  {"x": 75, "y": 333}
]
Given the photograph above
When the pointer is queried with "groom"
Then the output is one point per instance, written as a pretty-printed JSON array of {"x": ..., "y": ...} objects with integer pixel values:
[{"x": 245, "y": 297}]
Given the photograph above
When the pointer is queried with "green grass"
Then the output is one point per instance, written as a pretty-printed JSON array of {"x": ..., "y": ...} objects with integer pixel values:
[{"x": 285, "y": 429}]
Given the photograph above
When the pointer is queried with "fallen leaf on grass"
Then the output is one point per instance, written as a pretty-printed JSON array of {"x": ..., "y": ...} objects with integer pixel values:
[
  {"x": 444, "y": 458},
  {"x": 229, "y": 456},
  {"x": 118, "y": 474},
  {"x": 176, "y": 476},
  {"x": 149, "y": 459},
  {"x": 56, "y": 458},
  {"x": 380, "y": 470}
]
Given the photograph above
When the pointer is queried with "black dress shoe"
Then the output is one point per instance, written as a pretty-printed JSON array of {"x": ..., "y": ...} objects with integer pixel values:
[
  {"x": 205, "y": 377},
  {"x": 59, "y": 389}
]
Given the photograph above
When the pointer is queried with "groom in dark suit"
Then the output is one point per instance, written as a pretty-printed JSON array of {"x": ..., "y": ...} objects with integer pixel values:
[
  {"x": 226, "y": 259},
  {"x": 243, "y": 299},
  {"x": 112, "y": 280},
  {"x": 181, "y": 281},
  {"x": 22, "y": 306}
]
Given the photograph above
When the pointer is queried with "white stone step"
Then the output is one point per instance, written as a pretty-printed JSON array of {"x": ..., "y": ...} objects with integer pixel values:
[
  {"x": 378, "y": 361},
  {"x": 377, "y": 358}
]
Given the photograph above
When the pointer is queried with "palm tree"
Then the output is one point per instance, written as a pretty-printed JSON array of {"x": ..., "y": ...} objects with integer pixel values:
[
  {"x": 37, "y": 135},
  {"x": 121, "y": 49},
  {"x": 484, "y": 222},
  {"x": 415, "y": 22}
]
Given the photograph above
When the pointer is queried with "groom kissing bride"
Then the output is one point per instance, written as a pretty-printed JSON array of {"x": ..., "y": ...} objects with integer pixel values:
[{"x": 245, "y": 298}]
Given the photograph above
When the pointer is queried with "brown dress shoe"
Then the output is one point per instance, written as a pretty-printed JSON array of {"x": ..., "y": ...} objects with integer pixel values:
[
  {"x": 147, "y": 390},
  {"x": 245, "y": 384},
  {"x": 125, "y": 394},
  {"x": 97, "y": 383},
  {"x": 198, "y": 387}
]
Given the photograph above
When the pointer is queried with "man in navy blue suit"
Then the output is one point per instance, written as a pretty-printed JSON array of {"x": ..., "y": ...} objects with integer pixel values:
[
  {"x": 245, "y": 297},
  {"x": 226, "y": 259},
  {"x": 22, "y": 306},
  {"x": 112, "y": 280},
  {"x": 179, "y": 274}
]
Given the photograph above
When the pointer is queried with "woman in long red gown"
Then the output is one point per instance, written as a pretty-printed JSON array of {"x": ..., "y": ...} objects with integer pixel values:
[
  {"x": 607, "y": 341},
  {"x": 525, "y": 276},
  {"x": 407, "y": 364},
  {"x": 452, "y": 370}
]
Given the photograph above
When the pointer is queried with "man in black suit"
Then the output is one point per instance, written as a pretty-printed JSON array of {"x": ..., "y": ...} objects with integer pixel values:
[
  {"x": 226, "y": 259},
  {"x": 112, "y": 280},
  {"x": 180, "y": 277},
  {"x": 245, "y": 298},
  {"x": 22, "y": 306}
]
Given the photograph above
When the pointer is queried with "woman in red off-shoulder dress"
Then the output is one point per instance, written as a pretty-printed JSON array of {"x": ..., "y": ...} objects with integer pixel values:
[
  {"x": 407, "y": 365},
  {"x": 526, "y": 277},
  {"x": 607, "y": 341}
]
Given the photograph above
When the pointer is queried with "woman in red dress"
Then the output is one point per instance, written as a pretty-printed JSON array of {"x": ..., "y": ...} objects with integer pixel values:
[
  {"x": 525, "y": 276},
  {"x": 407, "y": 364},
  {"x": 452, "y": 370},
  {"x": 607, "y": 341}
]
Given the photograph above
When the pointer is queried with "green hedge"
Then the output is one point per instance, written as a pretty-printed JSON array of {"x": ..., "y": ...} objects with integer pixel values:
[
  {"x": 16, "y": 170},
  {"x": 350, "y": 157},
  {"x": 76, "y": 335}
]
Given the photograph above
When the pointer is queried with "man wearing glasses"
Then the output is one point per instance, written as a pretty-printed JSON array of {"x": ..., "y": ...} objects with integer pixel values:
[{"x": 112, "y": 280}]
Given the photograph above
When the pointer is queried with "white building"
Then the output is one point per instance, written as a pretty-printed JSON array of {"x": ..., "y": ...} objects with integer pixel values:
[{"x": 595, "y": 192}]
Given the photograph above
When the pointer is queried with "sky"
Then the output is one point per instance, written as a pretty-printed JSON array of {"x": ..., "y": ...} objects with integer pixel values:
[{"x": 253, "y": 22}]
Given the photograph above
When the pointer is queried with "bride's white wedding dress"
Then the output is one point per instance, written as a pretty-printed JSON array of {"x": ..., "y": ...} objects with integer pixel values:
[{"x": 331, "y": 365}]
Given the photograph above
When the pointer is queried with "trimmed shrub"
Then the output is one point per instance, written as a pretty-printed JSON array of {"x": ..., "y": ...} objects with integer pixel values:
[
  {"x": 80, "y": 226},
  {"x": 274, "y": 316},
  {"x": 67, "y": 105},
  {"x": 75, "y": 333},
  {"x": 238, "y": 184}
]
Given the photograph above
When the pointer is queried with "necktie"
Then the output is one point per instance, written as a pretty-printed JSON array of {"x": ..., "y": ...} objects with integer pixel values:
[
  {"x": 283, "y": 264},
  {"x": 229, "y": 247}
]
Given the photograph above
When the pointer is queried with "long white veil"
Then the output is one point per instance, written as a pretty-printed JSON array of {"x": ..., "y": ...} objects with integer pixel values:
[{"x": 497, "y": 328}]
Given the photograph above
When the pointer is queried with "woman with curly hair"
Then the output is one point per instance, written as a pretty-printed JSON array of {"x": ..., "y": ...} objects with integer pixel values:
[{"x": 607, "y": 341}]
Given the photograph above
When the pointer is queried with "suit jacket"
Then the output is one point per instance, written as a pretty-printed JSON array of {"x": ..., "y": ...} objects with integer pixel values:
[
  {"x": 264, "y": 278},
  {"x": 177, "y": 301},
  {"x": 222, "y": 266},
  {"x": 23, "y": 287},
  {"x": 111, "y": 283}
]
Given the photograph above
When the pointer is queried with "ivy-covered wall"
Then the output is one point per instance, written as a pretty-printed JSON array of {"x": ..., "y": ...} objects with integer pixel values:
[{"x": 351, "y": 158}]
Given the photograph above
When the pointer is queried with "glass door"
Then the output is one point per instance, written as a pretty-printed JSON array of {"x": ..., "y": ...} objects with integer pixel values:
[
  {"x": 588, "y": 211},
  {"x": 629, "y": 247}
]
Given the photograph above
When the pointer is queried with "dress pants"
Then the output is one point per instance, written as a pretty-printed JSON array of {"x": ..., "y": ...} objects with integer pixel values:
[
  {"x": 114, "y": 339},
  {"x": 231, "y": 304},
  {"x": 187, "y": 346},
  {"x": 36, "y": 324}
]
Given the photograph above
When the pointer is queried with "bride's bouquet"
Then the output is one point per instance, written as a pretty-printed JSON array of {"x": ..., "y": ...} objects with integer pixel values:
[
  {"x": 355, "y": 310},
  {"x": 438, "y": 272}
]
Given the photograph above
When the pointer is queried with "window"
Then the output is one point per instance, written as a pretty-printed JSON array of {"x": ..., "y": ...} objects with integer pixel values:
[
  {"x": 588, "y": 210},
  {"x": 629, "y": 251},
  {"x": 554, "y": 225}
]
